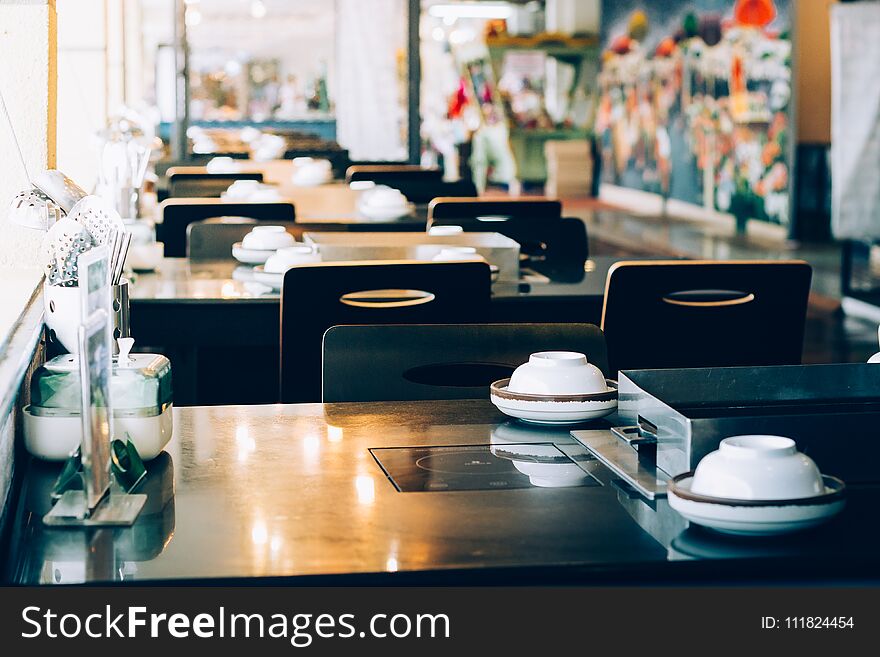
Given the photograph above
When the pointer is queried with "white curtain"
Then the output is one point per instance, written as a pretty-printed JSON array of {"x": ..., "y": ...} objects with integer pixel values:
[
  {"x": 855, "y": 126},
  {"x": 371, "y": 37}
]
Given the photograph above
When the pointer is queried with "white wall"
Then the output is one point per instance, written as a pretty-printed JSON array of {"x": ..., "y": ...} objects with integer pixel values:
[
  {"x": 27, "y": 62},
  {"x": 82, "y": 86}
]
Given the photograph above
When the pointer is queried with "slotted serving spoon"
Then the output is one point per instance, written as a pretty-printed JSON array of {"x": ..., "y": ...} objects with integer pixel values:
[
  {"x": 33, "y": 209},
  {"x": 61, "y": 246},
  {"x": 59, "y": 188}
]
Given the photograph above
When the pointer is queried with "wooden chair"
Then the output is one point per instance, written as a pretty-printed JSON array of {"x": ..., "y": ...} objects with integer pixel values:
[
  {"x": 204, "y": 185},
  {"x": 690, "y": 313},
  {"x": 440, "y": 361},
  {"x": 316, "y": 297},
  {"x": 177, "y": 214}
]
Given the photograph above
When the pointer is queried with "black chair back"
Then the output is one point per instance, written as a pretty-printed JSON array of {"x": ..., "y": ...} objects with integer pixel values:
[
  {"x": 441, "y": 361},
  {"x": 419, "y": 185},
  {"x": 668, "y": 314},
  {"x": 316, "y": 297},
  {"x": 444, "y": 209},
  {"x": 177, "y": 214},
  {"x": 537, "y": 224},
  {"x": 204, "y": 185},
  {"x": 392, "y": 174},
  {"x": 212, "y": 239}
]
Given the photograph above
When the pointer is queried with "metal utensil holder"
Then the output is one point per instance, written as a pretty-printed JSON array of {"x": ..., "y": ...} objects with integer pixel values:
[{"x": 121, "y": 313}]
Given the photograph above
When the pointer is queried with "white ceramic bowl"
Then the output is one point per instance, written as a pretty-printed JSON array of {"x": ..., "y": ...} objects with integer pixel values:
[
  {"x": 309, "y": 172},
  {"x": 242, "y": 188},
  {"x": 456, "y": 254},
  {"x": 251, "y": 190},
  {"x": 757, "y": 467},
  {"x": 385, "y": 198},
  {"x": 445, "y": 230},
  {"x": 265, "y": 238},
  {"x": 557, "y": 373},
  {"x": 284, "y": 259}
]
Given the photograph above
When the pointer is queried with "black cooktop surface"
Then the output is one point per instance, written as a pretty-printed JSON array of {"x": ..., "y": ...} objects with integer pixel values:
[{"x": 483, "y": 467}]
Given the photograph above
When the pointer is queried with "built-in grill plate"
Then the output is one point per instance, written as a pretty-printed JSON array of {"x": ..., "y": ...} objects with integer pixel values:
[{"x": 485, "y": 467}]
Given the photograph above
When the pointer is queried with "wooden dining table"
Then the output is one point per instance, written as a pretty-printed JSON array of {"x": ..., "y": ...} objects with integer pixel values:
[{"x": 207, "y": 314}]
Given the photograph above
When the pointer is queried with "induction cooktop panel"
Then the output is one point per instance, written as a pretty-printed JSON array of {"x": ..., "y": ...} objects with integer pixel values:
[{"x": 483, "y": 467}]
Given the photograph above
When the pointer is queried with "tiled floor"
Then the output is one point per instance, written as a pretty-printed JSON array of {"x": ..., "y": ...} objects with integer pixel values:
[{"x": 830, "y": 335}]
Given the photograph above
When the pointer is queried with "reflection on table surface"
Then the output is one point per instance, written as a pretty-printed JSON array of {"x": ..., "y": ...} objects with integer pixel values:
[
  {"x": 290, "y": 490},
  {"x": 181, "y": 279}
]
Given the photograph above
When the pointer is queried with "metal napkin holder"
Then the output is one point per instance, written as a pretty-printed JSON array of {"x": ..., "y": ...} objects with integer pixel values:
[{"x": 671, "y": 419}]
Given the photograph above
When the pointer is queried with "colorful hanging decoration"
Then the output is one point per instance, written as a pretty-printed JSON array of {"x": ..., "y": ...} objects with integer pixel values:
[{"x": 754, "y": 13}]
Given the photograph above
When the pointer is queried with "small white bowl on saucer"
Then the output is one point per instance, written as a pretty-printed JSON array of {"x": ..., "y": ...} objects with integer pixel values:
[
  {"x": 555, "y": 387},
  {"x": 272, "y": 273},
  {"x": 383, "y": 203},
  {"x": 251, "y": 190},
  {"x": 310, "y": 172},
  {"x": 263, "y": 241},
  {"x": 268, "y": 238},
  {"x": 756, "y": 485}
]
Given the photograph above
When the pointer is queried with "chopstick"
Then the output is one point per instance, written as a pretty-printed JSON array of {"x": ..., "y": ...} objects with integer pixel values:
[{"x": 119, "y": 263}]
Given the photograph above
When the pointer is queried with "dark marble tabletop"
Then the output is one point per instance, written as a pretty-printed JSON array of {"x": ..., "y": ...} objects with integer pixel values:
[{"x": 294, "y": 490}]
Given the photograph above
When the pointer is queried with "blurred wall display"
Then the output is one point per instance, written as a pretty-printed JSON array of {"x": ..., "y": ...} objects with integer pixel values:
[
  {"x": 696, "y": 104},
  {"x": 855, "y": 131}
]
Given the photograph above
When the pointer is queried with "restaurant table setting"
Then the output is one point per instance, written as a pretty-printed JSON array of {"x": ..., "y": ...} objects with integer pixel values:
[
  {"x": 415, "y": 487},
  {"x": 750, "y": 451},
  {"x": 266, "y": 253}
]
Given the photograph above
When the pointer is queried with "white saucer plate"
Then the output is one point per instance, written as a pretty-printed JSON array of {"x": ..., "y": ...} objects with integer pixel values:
[
  {"x": 250, "y": 256},
  {"x": 553, "y": 409},
  {"x": 270, "y": 279},
  {"x": 755, "y": 518}
]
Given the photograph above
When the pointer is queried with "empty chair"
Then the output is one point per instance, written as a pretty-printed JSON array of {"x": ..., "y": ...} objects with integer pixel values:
[
  {"x": 177, "y": 214},
  {"x": 316, "y": 297},
  {"x": 391, "y": 174},
  {"x": 537, "y": 224},
  {"x": 440, "y": 361},
  {"x": 667, "y": 314},
  {"x": 419, "y": 185},
  {"x": 183, "y": 184},
  {"x": 445, "y": 210},
  {"x": 212, "y": 239}
]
